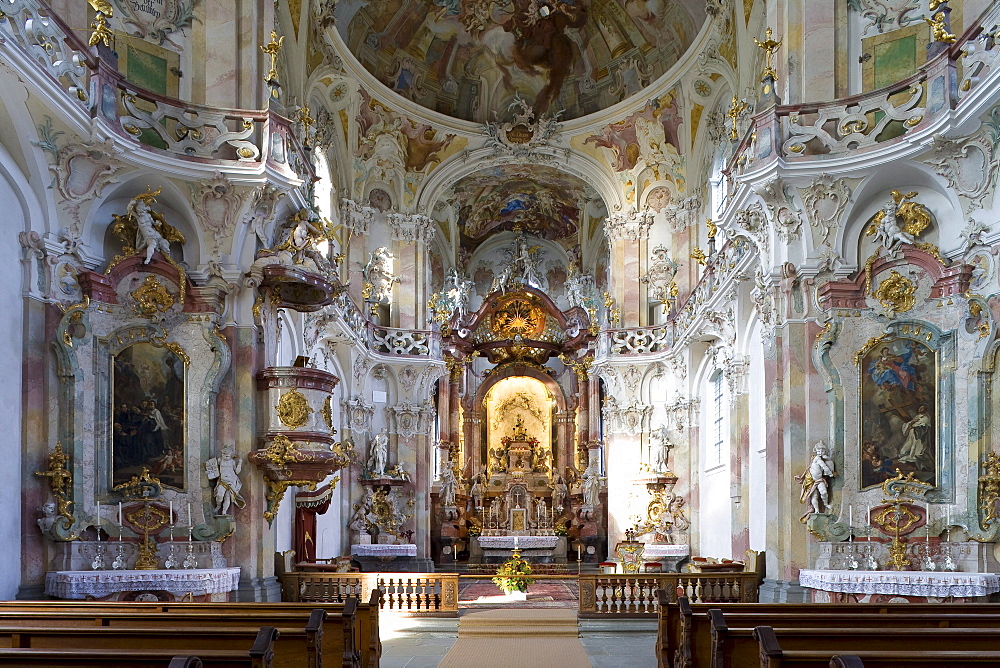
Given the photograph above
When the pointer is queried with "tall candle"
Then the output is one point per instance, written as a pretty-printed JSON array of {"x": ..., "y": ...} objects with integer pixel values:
[
  {"x": 850, "y": 523},
  {"x": 171, "y": 513},
  {"x": 98, "y": 521},
  {"x": 190, "y": 517},
  {"x": 120, "y": 523},
  {"x": 578, "y": 553},
  {"x": 948, "y": 521},
  {"x": 515, "y": 542}
]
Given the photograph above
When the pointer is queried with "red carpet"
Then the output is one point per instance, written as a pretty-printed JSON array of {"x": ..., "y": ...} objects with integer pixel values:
[{"x": 541, "y": 594}]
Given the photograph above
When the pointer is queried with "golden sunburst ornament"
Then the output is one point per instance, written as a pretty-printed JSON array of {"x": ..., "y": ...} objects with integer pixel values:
[{"x": 517, "y": 317}]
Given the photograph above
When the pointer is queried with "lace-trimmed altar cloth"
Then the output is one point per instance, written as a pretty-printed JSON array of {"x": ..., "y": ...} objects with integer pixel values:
[
  {"x": 660, "y": 550},
  {"x": 902, "y": 583},
  {"x": 523, "y": 542},
  {"x": 385, "y": 550},
  {"x": 197, "y": 582}
]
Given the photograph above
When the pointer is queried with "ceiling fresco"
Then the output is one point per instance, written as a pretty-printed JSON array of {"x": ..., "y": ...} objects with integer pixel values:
[
  {"x": 540, "y": 200},
  {"x": 467, "y": 57}
]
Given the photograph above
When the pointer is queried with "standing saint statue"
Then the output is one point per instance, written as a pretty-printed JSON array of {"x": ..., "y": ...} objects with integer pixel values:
[
  {"x": 815, "y": 481},
  {"x": 592, "y": 484},
  {"x": 449, "y": 485},
  {"x": 226, "y": 469},
  {"x": 378, "y": 454}
]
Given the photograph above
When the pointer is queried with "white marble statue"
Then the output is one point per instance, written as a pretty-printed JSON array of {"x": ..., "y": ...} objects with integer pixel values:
[
  {"x": 890, "y": 232},
  {"x": 592, "y": 483},
  {"x": 148, "y": 239},
  {"x": 225, "y": 470},
  {"x": 478, "y": 489},
  {"x": 379, "y": 277},
  {"x": 815, "y": 481},
  {"x": 660, "y": 446},
  {"x": 378, "y": 454},
  {"x": 449, "y": 485},
  {"x": 459, "y": 293}
]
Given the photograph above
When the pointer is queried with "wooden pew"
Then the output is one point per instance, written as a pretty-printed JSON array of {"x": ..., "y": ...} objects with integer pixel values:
[
  {"x": 771, "y": 655},
  {"x": 338, "y": 642},
  {"x": 732, "y": 643},
  {"x": 366, "y": 633},
  {"x": 260, "y": 655},
  {"x": 684, "y": 640},
  {"x": 294, "y": 647}
]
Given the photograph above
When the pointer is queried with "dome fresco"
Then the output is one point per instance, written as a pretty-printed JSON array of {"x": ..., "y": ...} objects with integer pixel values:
[{"x": 465, "y": 58}]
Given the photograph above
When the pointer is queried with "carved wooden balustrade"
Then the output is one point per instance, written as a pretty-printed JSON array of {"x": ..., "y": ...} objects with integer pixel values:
[
  {"x": 603, "y": 595},
  {"x": 403, "y": 592}
]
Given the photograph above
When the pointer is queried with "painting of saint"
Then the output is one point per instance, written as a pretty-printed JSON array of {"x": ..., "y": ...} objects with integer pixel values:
[
  {"x": 147, "y": 420},
  {"x": 898, "y": 409}
]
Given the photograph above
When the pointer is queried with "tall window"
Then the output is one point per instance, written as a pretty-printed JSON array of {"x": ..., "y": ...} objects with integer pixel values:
[{"x": 716, "y": 422}]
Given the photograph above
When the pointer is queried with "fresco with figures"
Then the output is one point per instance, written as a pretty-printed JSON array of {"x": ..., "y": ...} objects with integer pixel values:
[
  {"x": 898, "y": 412},
  {"x": 148, "y": 419},
  {"x": 466, "y": 58},
  {"x": 541, "y": 200}
]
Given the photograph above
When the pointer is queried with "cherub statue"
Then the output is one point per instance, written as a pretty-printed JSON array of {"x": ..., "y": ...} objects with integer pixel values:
[
  {"x": 815, "y": 481},
  {"x": 148, "y": 238}
]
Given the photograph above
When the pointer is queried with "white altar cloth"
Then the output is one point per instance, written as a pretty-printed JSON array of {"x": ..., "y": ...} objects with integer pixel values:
[
  {"x": 196, "y": 581},
  {"x": 523, "y": 542},
  {"x": 657, "y": 551},
  {"x": 404, "y": 550},
  {"x": 902, "y": 583}
]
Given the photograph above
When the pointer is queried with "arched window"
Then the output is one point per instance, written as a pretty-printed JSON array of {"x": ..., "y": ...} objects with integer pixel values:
[{"x": 716, "y": 428}]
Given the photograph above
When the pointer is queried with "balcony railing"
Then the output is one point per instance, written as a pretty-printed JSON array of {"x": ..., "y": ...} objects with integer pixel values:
[
  {"x": 435, "y": 593},
  {"x": 144, "y": 118},
  {"x": 861, "y": 123}
]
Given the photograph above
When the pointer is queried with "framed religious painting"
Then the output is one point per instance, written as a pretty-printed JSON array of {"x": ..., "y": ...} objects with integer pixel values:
[
  {"x": 148, "y": 420},
  {"x": 901, "y": 402}
]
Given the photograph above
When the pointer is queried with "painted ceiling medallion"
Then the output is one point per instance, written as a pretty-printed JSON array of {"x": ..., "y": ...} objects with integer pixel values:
[
  {"x": 896, "y": 293},
  {"x": 293, "y": 409}
]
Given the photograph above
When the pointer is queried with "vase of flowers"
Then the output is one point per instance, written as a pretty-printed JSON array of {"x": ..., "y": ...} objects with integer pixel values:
[{"x": 511, "y": 578}]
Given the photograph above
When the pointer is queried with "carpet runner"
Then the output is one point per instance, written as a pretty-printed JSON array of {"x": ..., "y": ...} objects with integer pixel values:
[{"x": 533, "y": 638}]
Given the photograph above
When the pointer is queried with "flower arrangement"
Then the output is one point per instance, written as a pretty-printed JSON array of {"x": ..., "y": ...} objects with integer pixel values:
[
  {"x": 510, "y": 575},
  {"x": 474, "y": 530},
  {"x": 561, "y": 529}
]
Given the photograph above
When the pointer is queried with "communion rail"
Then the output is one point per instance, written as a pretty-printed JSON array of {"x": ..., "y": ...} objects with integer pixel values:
[
  {"x": 435, "y": 593},
  {"x": 634, "y": 595}
]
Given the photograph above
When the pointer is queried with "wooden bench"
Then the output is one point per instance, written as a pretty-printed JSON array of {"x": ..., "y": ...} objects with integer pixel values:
[
  {"x": 349, "y": 630},
  {"x": 294, "y": 647},
  {"x": 684, "y": 630},
  {"x": 772, "y": 655},
  {"x": 366, "y": 633},
  {"x": 260, "y": 655}
]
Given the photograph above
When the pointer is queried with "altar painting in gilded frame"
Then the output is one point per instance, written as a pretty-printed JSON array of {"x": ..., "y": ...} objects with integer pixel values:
[
  {"x": 147, "y": 420},
  {"x": 898, "y": 411}
]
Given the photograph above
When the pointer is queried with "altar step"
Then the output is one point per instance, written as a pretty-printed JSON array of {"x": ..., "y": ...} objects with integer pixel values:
[{"x": 549, "y": 623}]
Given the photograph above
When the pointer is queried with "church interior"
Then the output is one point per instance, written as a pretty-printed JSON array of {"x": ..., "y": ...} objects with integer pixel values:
[{"x": 313, "y": 290}]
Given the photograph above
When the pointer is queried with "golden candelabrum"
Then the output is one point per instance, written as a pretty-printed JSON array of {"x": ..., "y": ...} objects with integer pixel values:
[
  {"x": 897, "y": 518},
  {"x": 148, "y": 518},
  {"x": 272, "y": 49},
  {"x": 737, "y": 108}
]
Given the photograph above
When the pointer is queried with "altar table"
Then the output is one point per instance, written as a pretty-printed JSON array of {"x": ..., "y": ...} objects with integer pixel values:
[
  {"x": 213, "y": 582},
  {"x": 390, "y": 557},
  {"x": 902, "y": 583},
  {"x": 523, "y": 542}
]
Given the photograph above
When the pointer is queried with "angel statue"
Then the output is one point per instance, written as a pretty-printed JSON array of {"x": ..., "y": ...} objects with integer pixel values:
[
  {"x": 899, "y": 221},
  {"x": 151, "y": 231}
]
